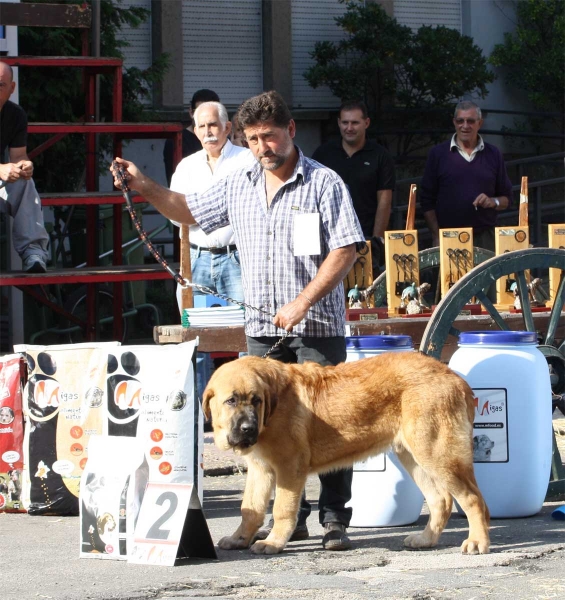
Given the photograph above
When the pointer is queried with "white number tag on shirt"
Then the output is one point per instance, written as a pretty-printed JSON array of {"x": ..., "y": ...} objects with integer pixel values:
[{"x": 307, "y": 234}]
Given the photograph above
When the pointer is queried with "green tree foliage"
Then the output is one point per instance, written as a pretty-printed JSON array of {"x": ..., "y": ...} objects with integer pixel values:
[
  {"x": 57, "y": 95},
  {"x": 359, "y": 66},
  {"x": 533, "y": 55},
  {"x": 532, "y": 59},
  {"x": 387, "y": 65}
]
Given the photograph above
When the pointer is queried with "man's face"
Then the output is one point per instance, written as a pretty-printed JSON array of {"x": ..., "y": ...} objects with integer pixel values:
[
  {"x": 210, "y": 131},
  {"x": 7, "y": 86},
  {"x": 352, "y": 126},
  {"x": 239, "y": 139},
  {"x": 467, "y": 125},
  {"x": 272, "y": 146}
]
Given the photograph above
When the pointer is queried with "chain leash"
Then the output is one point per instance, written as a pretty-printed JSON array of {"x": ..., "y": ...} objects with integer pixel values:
[{"x": 120, "y": 174}]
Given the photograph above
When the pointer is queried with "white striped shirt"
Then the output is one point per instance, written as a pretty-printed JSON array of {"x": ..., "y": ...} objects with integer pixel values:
[{"x": 272, "y": 276}]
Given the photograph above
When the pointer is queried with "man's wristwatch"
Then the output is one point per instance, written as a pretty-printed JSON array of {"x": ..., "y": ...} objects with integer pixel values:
[{"x": 496, "y": 203}]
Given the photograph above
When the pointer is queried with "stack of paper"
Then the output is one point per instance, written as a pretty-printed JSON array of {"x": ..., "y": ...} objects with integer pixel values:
[{"x": 218, "y": 316}]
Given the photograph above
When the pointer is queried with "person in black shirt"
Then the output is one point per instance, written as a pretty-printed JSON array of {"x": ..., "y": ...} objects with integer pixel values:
[
  {"x": 190, "y": 143},
  {"x": 367, "y": 169},
  {"x": 18, "y": 196}
]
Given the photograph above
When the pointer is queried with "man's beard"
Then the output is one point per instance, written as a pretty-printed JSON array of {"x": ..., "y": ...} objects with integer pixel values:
[{"x": 279, "y": 161}]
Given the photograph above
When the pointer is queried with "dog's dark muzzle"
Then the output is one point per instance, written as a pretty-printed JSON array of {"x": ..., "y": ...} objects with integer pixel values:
[{"x": 245, "y": 428}]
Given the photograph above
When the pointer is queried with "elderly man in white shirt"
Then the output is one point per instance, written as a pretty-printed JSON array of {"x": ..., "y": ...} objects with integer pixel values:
[{"x": 214, "y": 258}]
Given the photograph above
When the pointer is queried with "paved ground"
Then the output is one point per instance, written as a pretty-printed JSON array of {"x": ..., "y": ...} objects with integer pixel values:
[{"x": 39, "y": 559}]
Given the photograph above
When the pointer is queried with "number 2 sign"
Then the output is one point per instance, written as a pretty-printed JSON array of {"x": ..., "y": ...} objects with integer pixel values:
[{"x": 171, "y": 526}]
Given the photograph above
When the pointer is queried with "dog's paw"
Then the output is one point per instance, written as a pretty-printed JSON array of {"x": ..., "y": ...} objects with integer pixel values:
[
  {"x": 264, "y": 547},
  {"x": 233, "y": 543},
  {"x": 419, "y": 540},
  {"x": 470, "y": 546}
]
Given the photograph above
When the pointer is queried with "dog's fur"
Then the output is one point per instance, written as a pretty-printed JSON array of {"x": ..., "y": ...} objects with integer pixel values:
[{"x": 290, "y": 420}]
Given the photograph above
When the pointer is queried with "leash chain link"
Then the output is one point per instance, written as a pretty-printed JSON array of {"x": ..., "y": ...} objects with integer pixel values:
[{"x": 121, "y": 176}]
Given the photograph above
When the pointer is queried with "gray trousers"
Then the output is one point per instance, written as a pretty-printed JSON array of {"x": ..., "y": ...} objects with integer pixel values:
[
  {"x": 335, "y": 489},
  {"x": 21, "y": 201}
]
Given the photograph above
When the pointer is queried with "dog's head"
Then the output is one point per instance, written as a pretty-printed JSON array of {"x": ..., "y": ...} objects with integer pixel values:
[
  {"x": 241, "y": 397},
  {"x": 482, "y": 448},
  {"x": 482, "y": 442}
]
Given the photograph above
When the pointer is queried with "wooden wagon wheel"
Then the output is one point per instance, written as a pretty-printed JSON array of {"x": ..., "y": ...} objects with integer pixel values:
[
  {"x": 427, "y": 260},
  {"x": 474, "y": 283},
  {"x": 440, "y": 325}
]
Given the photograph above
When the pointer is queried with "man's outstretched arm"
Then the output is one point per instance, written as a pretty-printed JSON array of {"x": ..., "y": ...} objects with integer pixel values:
[{"x": 171, "y": 205}]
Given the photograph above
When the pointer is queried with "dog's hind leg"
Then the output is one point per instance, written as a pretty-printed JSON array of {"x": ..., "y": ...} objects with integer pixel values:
[
  {"x": 465, "y": 490},
  {"x": 449, "y": 477},
  {"x": 258, "y": 490},
  {"x": 438, "y": 499}
]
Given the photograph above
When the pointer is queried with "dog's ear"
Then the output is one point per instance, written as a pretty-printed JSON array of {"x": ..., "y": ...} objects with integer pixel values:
[
  {"x": 208, "y": 395},
  {"x": 271, "y": 402},
  {"x": 274, "y": 379}
]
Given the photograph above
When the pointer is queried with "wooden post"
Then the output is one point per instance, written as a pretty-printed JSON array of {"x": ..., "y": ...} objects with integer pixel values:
[
  {"x": 509, "y": 239},
  {"x": 411, "y": 214},
  {"x": 556, "y": 237},
  {"x": 523, "y": 213},
  {"x": 187, "y": 300}
]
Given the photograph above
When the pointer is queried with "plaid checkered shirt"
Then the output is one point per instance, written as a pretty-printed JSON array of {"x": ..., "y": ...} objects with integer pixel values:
[{"x": 272, "y": 276}]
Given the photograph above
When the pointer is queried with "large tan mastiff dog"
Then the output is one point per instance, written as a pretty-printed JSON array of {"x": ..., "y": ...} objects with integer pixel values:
[{"x": 290, "y": 420}]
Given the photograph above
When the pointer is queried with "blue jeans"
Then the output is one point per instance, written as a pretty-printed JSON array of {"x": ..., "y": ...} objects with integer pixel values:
[
  {"x": 335, "y": 488},
  {"x": 222, "y": 274}
]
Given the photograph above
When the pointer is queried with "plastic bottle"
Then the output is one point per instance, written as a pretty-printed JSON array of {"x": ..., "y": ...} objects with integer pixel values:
[
  {"x": 383, "y": 493},
  {"x": 512, "y": 443}
]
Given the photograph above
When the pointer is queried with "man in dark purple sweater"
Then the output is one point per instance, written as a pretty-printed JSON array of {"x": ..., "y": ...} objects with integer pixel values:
[{"x": 465, "y": 182}]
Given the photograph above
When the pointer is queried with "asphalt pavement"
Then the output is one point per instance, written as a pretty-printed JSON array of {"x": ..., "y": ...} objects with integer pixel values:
[{"x": 39, "y": 558}]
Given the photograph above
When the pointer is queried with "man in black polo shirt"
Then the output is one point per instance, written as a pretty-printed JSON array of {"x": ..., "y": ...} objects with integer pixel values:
[{"x": 367, "y": 169}]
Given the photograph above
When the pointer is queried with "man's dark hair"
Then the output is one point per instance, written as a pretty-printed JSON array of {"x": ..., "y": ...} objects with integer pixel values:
[
  {"x": 355, "y": 105},
  {"x": 268, "y": 107},
  {"x": 203, "y": 95}
]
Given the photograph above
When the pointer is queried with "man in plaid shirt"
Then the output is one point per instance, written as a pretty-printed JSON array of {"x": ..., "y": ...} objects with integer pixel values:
[{"x": 296, "y": 232}]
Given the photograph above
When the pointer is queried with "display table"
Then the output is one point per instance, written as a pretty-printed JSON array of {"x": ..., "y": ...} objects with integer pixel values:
[{"x": 232, "y": 339}]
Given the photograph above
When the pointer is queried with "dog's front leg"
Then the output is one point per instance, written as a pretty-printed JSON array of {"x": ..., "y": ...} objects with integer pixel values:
[
  {"x": 285, "y": 511},
  {"x": 258, "y": 490}
]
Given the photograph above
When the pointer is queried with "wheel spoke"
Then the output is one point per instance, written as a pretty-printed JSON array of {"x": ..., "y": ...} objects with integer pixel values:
[
  {"x": 491, "y": 309},
  {"x": 525, "y": 301},
  {"x": 479, "y": 279},
  {"x": 558, "y": 304}
]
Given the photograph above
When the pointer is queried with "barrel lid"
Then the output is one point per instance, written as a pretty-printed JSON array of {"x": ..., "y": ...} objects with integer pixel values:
[
  {"x": 498, "y": 337},
  {"x": 378, "y": 342}
]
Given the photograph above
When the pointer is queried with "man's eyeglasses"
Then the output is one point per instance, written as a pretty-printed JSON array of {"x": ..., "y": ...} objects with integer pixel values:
[{"x": 460, "y": 121}]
